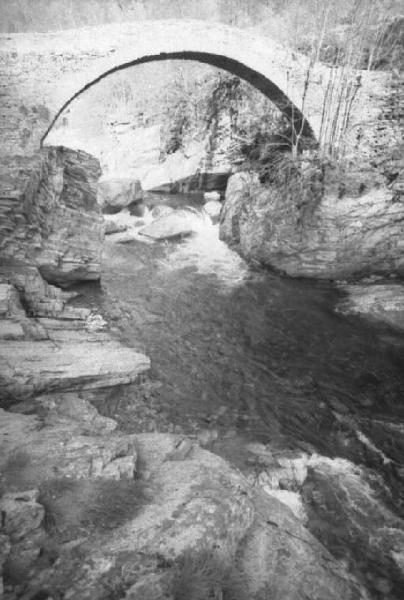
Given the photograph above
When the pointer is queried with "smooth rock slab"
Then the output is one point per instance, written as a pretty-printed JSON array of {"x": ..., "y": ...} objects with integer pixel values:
[
  {"x": 118, "y": 193},
  {"x": 28, "y": 368},
  {"x": 179, "y": 222},
  {"x": 379, "y": 302}
]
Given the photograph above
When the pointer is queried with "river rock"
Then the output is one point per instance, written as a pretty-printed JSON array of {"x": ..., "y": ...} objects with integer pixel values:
[
  {"x": 118, "y": 193},
  {"x": 213, "y": 208},
  {"x": 379, "y": 302},
  {"x": 161, "y": 210},
  {"x": 179, "y": 222},
  {"x": 137, "y": 209},
  {"x": 335, "y": 234}
]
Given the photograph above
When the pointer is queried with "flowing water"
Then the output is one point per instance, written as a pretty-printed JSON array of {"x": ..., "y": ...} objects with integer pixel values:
[{"x": 248, "y": 353}]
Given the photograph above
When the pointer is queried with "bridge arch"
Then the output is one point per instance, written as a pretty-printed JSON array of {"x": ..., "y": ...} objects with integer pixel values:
[
  {"x": 294, "y": 115},
  {"x": 43, "y": 72}
]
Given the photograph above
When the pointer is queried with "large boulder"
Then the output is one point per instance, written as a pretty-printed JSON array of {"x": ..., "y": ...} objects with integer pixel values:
[
  {"x": 118, "y": 193},
  {"x": 56, "y": 224},
  {"x": 178, "y": 223},
  {"x": 322, "y": 230},
  {"x": 213, "y": 208},
  {"x": 161, "y": 210},
  {"x": 380, "y": 302}
]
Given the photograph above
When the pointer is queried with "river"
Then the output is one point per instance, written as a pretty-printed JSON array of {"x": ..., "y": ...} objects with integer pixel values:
[{"x": 245, "y": 355}]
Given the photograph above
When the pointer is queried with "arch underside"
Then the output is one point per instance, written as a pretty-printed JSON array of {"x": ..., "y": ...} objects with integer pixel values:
[{"x": 299, "y": 123}]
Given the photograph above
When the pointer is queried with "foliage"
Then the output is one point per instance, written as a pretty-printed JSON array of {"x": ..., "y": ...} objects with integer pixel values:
[{"x": 351, "y": 36}]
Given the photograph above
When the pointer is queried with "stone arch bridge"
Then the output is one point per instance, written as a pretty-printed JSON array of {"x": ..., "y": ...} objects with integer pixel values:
[{"x": 40, "y": 73}]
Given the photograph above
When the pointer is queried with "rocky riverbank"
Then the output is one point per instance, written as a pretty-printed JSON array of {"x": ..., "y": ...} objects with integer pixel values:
[
  {"x": 55, "y": 237},
  {"x": 92, "y": 510},
  {"x": 318, "y": 222},
  {"x": 89, "y": 512}
]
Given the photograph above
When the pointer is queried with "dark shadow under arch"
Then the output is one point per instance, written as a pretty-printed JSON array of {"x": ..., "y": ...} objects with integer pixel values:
[{"x": 259, "y": 81}]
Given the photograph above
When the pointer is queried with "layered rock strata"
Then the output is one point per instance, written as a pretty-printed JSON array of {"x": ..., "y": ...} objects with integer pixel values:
[
  {"x": 51, "y": 219},
  {"x": 63, "y": 348},
  {"x": 326, "y": 230}
]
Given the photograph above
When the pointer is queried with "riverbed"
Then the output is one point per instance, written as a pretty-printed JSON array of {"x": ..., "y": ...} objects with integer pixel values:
[{"x": 241, "y": 355}]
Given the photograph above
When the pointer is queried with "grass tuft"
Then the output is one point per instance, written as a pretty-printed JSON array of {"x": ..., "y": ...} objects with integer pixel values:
[
  {"x": 203, "y": 575},
  {"x": 79, "y": 507}
]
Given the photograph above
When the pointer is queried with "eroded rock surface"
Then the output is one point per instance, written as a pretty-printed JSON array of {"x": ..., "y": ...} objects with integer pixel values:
[
  {"x": 379, "y": 302},
  {"x": 189, "y": 499},
  {"x": 119, "y": 193},
  {"x": 55, "y": 346},
  {"x": 334, "y": 234},
  {"x": 54, "y": 223}
]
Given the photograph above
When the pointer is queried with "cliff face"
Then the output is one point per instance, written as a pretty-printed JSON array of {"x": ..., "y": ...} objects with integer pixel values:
[{"x": 55, "y": 224}]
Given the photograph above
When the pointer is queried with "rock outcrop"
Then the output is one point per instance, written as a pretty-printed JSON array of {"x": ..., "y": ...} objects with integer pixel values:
[
  {"x": 346, "y": 512},
  {"x": 56, "y": 346},
  {"x": 55, "y": 236},
  {"x": 328, "y": 231},
  {"x": 135, "y": 534},
  {"x": 380, "y": 302},
  {"x": 53, "y": 222},
  {"x": 119, "y": 193}
]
